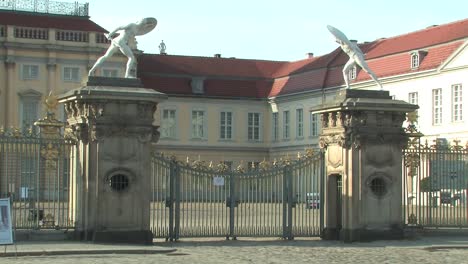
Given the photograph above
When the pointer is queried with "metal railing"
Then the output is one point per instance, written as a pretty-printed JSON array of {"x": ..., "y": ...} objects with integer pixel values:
[
  {"x": 435, "y": 185},
  {"x": 435, "y": 181},
  {"x": 46, "y": 6},
  {"x": 281, "y": 200},
  {"x": 34, "y": 173}
]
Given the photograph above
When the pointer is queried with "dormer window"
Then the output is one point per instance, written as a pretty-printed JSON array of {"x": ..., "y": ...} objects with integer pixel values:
[
  {"x": 416, "y": 58},
  {"x": 352, "y": 73},
  {"x": 197, "y": 85}
]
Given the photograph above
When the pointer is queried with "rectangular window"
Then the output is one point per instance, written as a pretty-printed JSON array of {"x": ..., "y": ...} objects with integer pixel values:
[
  {"x": 168, "y": 123},
  {"x": 314, "y": 125},
  {"x": 275, "y": 127},
  {"x": 285, "y": 124},
  {"x": 437, "y": 106},
  {"x": 225, "y": 126},
  {"x": 30, "y": 72},
  {"x": 29, "y": 113},
  {"x": 112, "y": 73},
  {"x": 71, "y": 74},
  {"x": 414, "y": 60},
  {"x": 198, "y": 124},
  {"x": 457, "y": 103},
  {"x": 299, "y": 123},
  {"x": 253, "y": 126},
  {"x": 413, "y": 98},
  {"x": 28, "y": 177},
  {"x": 352, "y": 73}
]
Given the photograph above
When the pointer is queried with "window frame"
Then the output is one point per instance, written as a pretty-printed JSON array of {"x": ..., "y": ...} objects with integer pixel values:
[
  {"x": 314, "y": 125},
  {"x": 117, "y": 72},
  {"x": 173, "y": 135},
  {"x": 415, "y": 60},
  {"x": 457, "y": 106},
  {"x": 352, "y": 74},
  {"x": 300, "y": 123},
  {"x": 286, "y": 125},
  {"x": 251, "y": 128},
  {"x": 26, "y": 98},
  {"x": 437, "y": 109},
  {"x": 227, "y": 127},
  {"x": 78, "y": 74},
  {"x": 29, "y": 66},
  {"x": 203, "y": 126},
  {"x": 275, "y": 126}
]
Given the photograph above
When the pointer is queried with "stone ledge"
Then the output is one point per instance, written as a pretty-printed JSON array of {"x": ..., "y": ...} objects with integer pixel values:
[{"x": 113, "y": 81}]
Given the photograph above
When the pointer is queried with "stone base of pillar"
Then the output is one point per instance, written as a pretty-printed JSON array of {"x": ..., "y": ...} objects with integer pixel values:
[
  {"x": 330, "y": 234},
  {"x": 366, "y": 235},
  {"x": 144, "y": 237},
  {"x": 128, "y": 237}
]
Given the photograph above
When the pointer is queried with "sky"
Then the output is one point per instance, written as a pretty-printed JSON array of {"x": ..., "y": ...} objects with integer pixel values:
[{"x": 270, "y": 29}]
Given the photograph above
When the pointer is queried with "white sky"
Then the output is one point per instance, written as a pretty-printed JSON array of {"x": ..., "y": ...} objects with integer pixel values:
[{"x": 270, "y": 29}]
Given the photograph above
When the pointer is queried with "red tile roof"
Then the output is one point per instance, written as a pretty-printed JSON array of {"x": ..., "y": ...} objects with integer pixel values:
[
  {"x": 207, "y": 66},
  {"x": 420, "y": 39},
  {"x": 259, "y": 78},
  {"x": 38, "y": 20}
]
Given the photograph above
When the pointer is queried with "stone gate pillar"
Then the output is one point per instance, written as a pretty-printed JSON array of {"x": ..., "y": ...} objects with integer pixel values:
[
  {"x": 112, "y": 121},
  {"x": 363, "y": 139}
]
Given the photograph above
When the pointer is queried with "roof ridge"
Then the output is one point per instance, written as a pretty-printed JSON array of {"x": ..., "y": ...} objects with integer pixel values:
[
  {"x": 211, "y": 57},
  {"x": 421, "y": 30}
]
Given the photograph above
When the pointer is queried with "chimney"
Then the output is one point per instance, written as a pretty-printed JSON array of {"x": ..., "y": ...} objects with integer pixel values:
[
  {"x": 309, "y": 55},
  {"x": 217, "y": 55},
  {"x": 353, "y": 41}
]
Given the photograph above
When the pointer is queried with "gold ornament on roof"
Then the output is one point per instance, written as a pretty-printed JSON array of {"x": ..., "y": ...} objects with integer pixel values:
[{"x": 51, "y": 102}]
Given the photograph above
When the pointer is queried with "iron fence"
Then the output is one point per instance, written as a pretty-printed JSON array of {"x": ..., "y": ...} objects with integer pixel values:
[
  {"x": 275, "y": 200},
  {"x": 435, "y": 185},
  {"x": 34, "y": 173}
]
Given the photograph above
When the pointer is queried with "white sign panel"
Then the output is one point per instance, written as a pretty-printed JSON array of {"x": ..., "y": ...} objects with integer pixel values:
[
  {"x": 218, "y": 181},
  {"x": 6, "y": 232}
]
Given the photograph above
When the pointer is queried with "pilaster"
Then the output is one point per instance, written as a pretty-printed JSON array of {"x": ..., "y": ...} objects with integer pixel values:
[
  {"x": 363, "y": 138},
  {"x": 113, "y": 127}
]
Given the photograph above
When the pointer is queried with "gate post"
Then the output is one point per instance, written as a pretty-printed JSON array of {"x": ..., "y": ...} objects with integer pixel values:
[
  {"x": 176, "y": 187},
  {"x": 288, "y": 202},
  {"x": 112, "y": 121},
  {"x": 363, "y": 138},
  {"x": 171, "y": 198},
  {"x": 232, "y": 204}
]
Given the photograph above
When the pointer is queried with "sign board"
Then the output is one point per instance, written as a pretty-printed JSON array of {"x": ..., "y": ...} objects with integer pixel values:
[
  {"x": 218, "y": 181},
  {"x": 6, "y": 230}
]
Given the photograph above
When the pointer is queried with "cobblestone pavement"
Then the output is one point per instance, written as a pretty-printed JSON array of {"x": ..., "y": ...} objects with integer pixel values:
[{"x": 422, "y": 250}]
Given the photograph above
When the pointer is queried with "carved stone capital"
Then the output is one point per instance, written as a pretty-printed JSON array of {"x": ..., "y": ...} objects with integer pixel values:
[
  {"x": 77, "y": 132},
  {"x": 331, "y": 139},
  {"x": 146, "y": 110}
]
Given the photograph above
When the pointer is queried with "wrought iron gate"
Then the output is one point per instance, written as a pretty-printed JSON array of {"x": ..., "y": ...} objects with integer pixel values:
[{"x": 273, "y": 200}]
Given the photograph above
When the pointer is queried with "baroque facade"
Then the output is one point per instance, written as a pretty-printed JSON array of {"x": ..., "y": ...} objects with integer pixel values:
[
  {"x": 43, "y": 53},
  {"x": 230, "y": 109}
]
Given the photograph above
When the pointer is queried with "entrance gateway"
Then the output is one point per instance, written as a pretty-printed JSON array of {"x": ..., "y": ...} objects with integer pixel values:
[{"x": 274, "y": 200}]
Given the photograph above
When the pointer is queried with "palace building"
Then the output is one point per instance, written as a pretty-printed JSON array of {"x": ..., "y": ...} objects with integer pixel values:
[{"x": 230, "y": 109}]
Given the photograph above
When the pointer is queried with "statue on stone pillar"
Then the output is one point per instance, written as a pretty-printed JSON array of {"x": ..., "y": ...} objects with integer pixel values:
[
  {"x": 119, "y": 38},
  {"x": 355, "y": 54},
  {"x": 162, "y": 48}
]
